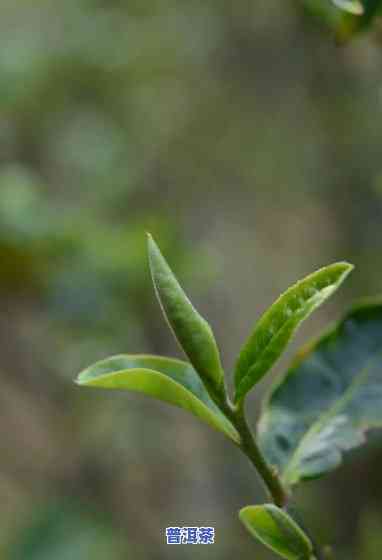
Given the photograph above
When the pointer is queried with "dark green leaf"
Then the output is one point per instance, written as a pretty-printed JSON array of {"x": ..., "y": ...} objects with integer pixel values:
[
  {"x": 276, "y": 327},
  {"x": 327, "y": 400},
  {"x": 193, "y": 333},
  {"x": 277, "y": 530},
  {"x": 167, "y": 379}
]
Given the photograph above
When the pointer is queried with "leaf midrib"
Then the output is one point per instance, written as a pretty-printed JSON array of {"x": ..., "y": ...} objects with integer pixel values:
[{"x": 329, "y": 414}]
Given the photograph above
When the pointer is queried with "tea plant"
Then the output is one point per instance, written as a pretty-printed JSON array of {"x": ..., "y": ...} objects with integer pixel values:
[{"x": 320, "y": 408}]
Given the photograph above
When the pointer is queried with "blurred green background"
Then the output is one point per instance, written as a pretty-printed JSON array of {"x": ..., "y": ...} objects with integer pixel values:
[{"x": 249, "y": 144}]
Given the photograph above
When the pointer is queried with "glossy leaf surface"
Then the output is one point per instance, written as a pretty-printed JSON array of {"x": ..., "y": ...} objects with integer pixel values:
[
  {"x": 277, "y": 326},
  {"x": 166, "y": 379},
  {"x": 277, "y": 530},
  {"x": 193, "y": 333},
  {"x": 327, "y": 400}
]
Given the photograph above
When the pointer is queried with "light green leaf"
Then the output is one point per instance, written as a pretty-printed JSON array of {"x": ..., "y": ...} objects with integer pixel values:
[
  {"x": 167, "y": 379},
  {"x": 328, "y": 399},
  {"x": 277, "y": 326},
  {"x": 277, "y": 530},
  {"x": 352, "y": 6},
  {"x": 193, "y": 333}
]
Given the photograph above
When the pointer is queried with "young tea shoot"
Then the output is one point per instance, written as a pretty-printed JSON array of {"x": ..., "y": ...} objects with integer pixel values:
[{"x": 319, "y": 409}]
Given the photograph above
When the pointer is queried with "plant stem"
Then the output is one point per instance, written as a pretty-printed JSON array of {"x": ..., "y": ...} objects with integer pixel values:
[
  {"x": 250, "y": 448},
  {"x": 268, "y": 474}
]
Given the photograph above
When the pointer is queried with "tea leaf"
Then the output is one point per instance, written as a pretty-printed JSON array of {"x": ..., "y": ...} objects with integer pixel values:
[
  {"x": 193, "y": 333},
  {"x": 167, "y": 379},
  {"x": 277, "y": 326},
  {"x": 352, "y": 6},
  {"x": 328, "y": 399},
  {"x": 277, "y": 530}
]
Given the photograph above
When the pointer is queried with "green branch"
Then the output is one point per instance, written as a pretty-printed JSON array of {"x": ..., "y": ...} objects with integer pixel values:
[{"x": 250, "y": 448}]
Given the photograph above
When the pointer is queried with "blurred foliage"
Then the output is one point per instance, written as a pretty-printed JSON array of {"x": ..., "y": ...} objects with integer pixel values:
[
  {"x": 64, "y": 533},
  {"x": 249, "y": 145},
  {"x": 370, "y": 539},
  {"x": 346, "y": 17}
]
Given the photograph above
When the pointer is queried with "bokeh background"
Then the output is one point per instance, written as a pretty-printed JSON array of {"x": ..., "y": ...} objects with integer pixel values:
[{"x": 249, "y": 144}]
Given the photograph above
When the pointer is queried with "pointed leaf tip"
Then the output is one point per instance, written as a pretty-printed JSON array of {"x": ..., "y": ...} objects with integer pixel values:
[
  {"x": 193, "y": 333},
  {"x": 279, "y": 323},
  {"x": 278, "y": 531}
]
